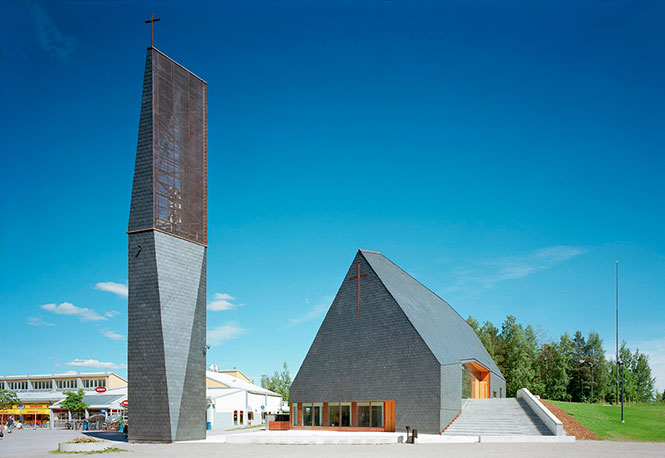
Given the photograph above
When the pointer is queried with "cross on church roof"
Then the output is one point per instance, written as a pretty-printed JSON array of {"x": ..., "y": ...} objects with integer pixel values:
[
  {"x": 152, "y": 26},
  {"x": 358, "y": 277}
]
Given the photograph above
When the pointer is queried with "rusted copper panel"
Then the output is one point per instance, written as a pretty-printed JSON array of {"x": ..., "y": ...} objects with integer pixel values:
[{"x": 180, "y": 150}]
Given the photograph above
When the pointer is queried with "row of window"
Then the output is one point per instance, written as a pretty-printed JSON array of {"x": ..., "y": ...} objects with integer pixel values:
[
  {"x": 60, "y": 384},
  {"x": 367, "y": 414},
  {"x": 94, "y": 382}
]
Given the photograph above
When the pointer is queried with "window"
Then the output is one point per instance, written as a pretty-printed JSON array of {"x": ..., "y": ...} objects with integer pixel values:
[
  {"x": 294, "y": 414},
  {"x": 345, "y": 411},
  {"x": 235, "y": 417},
  {"x": 42, "y": 384},
  {"x": 65, "y": 383},
  {"x": 363, "y": 414},
  {"x": 94, "y": 382},
  {"x": 370, "y": 414},
  {"x": 333, "y": 414},
  {"x": 318, "y": 415},
  {"x": 242, "y": 422},
  {"x": 376, "y": 414},
  {"x": 339, "y": 414},
  {"x": 307, "y": 414},
  {"x": 14, "y": 386}
]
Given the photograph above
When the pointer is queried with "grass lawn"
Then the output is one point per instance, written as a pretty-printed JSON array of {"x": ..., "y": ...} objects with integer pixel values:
[{"x": 644, "y": 422}]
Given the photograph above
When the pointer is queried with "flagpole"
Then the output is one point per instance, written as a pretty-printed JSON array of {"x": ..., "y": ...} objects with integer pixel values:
[{"x": 617, "y": 327}]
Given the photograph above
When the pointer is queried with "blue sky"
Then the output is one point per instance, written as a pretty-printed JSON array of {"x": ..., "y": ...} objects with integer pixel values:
[{"x": 504, "y": 154}]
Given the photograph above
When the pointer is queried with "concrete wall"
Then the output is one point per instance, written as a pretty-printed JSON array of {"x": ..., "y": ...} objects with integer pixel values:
[{"x": 377, "y": 357}]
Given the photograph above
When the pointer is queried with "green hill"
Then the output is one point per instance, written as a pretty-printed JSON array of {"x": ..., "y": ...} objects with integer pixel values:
[{"x": 643, "y": 422}]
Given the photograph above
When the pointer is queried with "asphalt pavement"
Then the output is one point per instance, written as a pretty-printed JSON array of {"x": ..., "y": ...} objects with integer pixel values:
[{"x": 38, "y": 443}]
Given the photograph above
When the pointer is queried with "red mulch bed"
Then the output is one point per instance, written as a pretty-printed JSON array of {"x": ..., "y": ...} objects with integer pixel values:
[{"x": 571, "y": 426}]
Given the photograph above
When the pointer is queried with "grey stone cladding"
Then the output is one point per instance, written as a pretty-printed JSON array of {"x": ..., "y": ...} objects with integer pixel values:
[
  {"x": 407, "y": 346},
  {"x": 166, "y": 358},
  {"x": 377, "y": 357},
  {"x": 166, "y": 311},
  {"x": 141, "y": 209}
]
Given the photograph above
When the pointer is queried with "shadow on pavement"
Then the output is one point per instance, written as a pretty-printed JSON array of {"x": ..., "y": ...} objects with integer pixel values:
[{"x": 107, "y": 435}]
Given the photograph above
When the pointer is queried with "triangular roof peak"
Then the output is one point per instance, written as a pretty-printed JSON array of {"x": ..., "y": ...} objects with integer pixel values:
[{"x": 446, "y": 333}]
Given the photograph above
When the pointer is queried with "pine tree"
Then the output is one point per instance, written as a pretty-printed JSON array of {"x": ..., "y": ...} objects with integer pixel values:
[
  {"x": 489, "y": 336},
  {"x": 553, "y": 368},
  {"x": 644, "y": 382},
  {"x": 471, "y": 321},
  {"x": 518, "y": 364}
]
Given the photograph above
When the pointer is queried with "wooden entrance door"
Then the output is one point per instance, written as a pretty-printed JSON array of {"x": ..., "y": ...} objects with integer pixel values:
[{"x": 480, "y": 380}]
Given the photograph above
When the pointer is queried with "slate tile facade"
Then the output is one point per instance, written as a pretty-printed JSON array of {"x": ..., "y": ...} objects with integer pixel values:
[{"x": 167, "y": 305}]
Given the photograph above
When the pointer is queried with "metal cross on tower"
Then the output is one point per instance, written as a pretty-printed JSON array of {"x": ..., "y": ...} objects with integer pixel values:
[
  {"x": 152, "y": 25},
  {"x": 358, "y": 277}
]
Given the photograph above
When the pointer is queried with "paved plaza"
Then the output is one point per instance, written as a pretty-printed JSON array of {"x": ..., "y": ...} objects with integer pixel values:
[{"x": 38, "y": 443}]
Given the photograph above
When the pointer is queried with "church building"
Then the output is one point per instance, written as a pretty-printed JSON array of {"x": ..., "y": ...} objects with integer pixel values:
[{"x": 389, "y": 354}]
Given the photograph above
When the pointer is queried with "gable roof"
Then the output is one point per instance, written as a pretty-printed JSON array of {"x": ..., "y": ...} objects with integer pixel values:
[
  {"x": 445, "y": 332},
  {"x": 233, "y": 382}
]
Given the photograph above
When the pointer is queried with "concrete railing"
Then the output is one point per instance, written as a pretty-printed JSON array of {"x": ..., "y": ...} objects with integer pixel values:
[{"x": 552, "y": 422}]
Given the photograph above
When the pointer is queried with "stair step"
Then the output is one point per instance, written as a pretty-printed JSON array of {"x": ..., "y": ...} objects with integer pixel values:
[{"x": 497, "y": 417}]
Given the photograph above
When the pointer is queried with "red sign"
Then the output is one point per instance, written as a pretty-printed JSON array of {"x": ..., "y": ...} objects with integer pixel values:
[
  {"x": 125, "y": 403},
  {"x": 100, "y": 389}
]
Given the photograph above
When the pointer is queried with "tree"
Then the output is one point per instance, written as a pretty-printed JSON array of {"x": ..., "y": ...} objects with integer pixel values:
[
  {"x": 644, "y": 382},
  {"x": 603, "y": 383},
  {"x": 518, "y": 356},
  {"x": 471, "y": 321},
  {"x": 489, "y": 336},
  {"x": 279, "y": 383},
  {"x": 554, "y": 373},
  {"x": 8, "y": 399},
  {"x": 74, "y": 401}
]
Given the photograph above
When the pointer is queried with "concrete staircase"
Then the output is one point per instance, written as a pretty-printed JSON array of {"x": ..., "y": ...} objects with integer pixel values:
[{"x": 497, "y": 417}]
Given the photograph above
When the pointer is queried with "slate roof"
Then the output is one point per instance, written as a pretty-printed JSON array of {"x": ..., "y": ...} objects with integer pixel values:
[{"x": 444, "y": 331}]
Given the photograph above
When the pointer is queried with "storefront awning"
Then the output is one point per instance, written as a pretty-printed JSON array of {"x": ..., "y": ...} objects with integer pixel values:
[{"x": 40, "y": 411}]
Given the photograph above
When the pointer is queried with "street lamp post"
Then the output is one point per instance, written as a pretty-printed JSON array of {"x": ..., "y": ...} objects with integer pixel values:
[
  {"x": 591, "y": 363},
  {"x": 620, "y": 363}
]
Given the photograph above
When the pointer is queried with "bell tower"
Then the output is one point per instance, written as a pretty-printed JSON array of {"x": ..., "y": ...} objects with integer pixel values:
[{"x": 168, "y": 238}]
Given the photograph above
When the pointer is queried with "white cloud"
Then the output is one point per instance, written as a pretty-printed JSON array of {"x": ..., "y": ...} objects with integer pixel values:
[
  {"x": 487, "y": 274},
  {"x": 49, "y": 35},
  {"x": 67, "y": 308},
  {"x": 111, "y": 314},
  {"x": 224, "y": 332},
  {"x": 312, "y": 314},
  {"x": 36, "y": 321},
  {"x": 222, "y": 301},
  {"x": 95, "y": 364},
  {"x": 112, "y": 287},
  {"x": 112, "y": 335}
]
